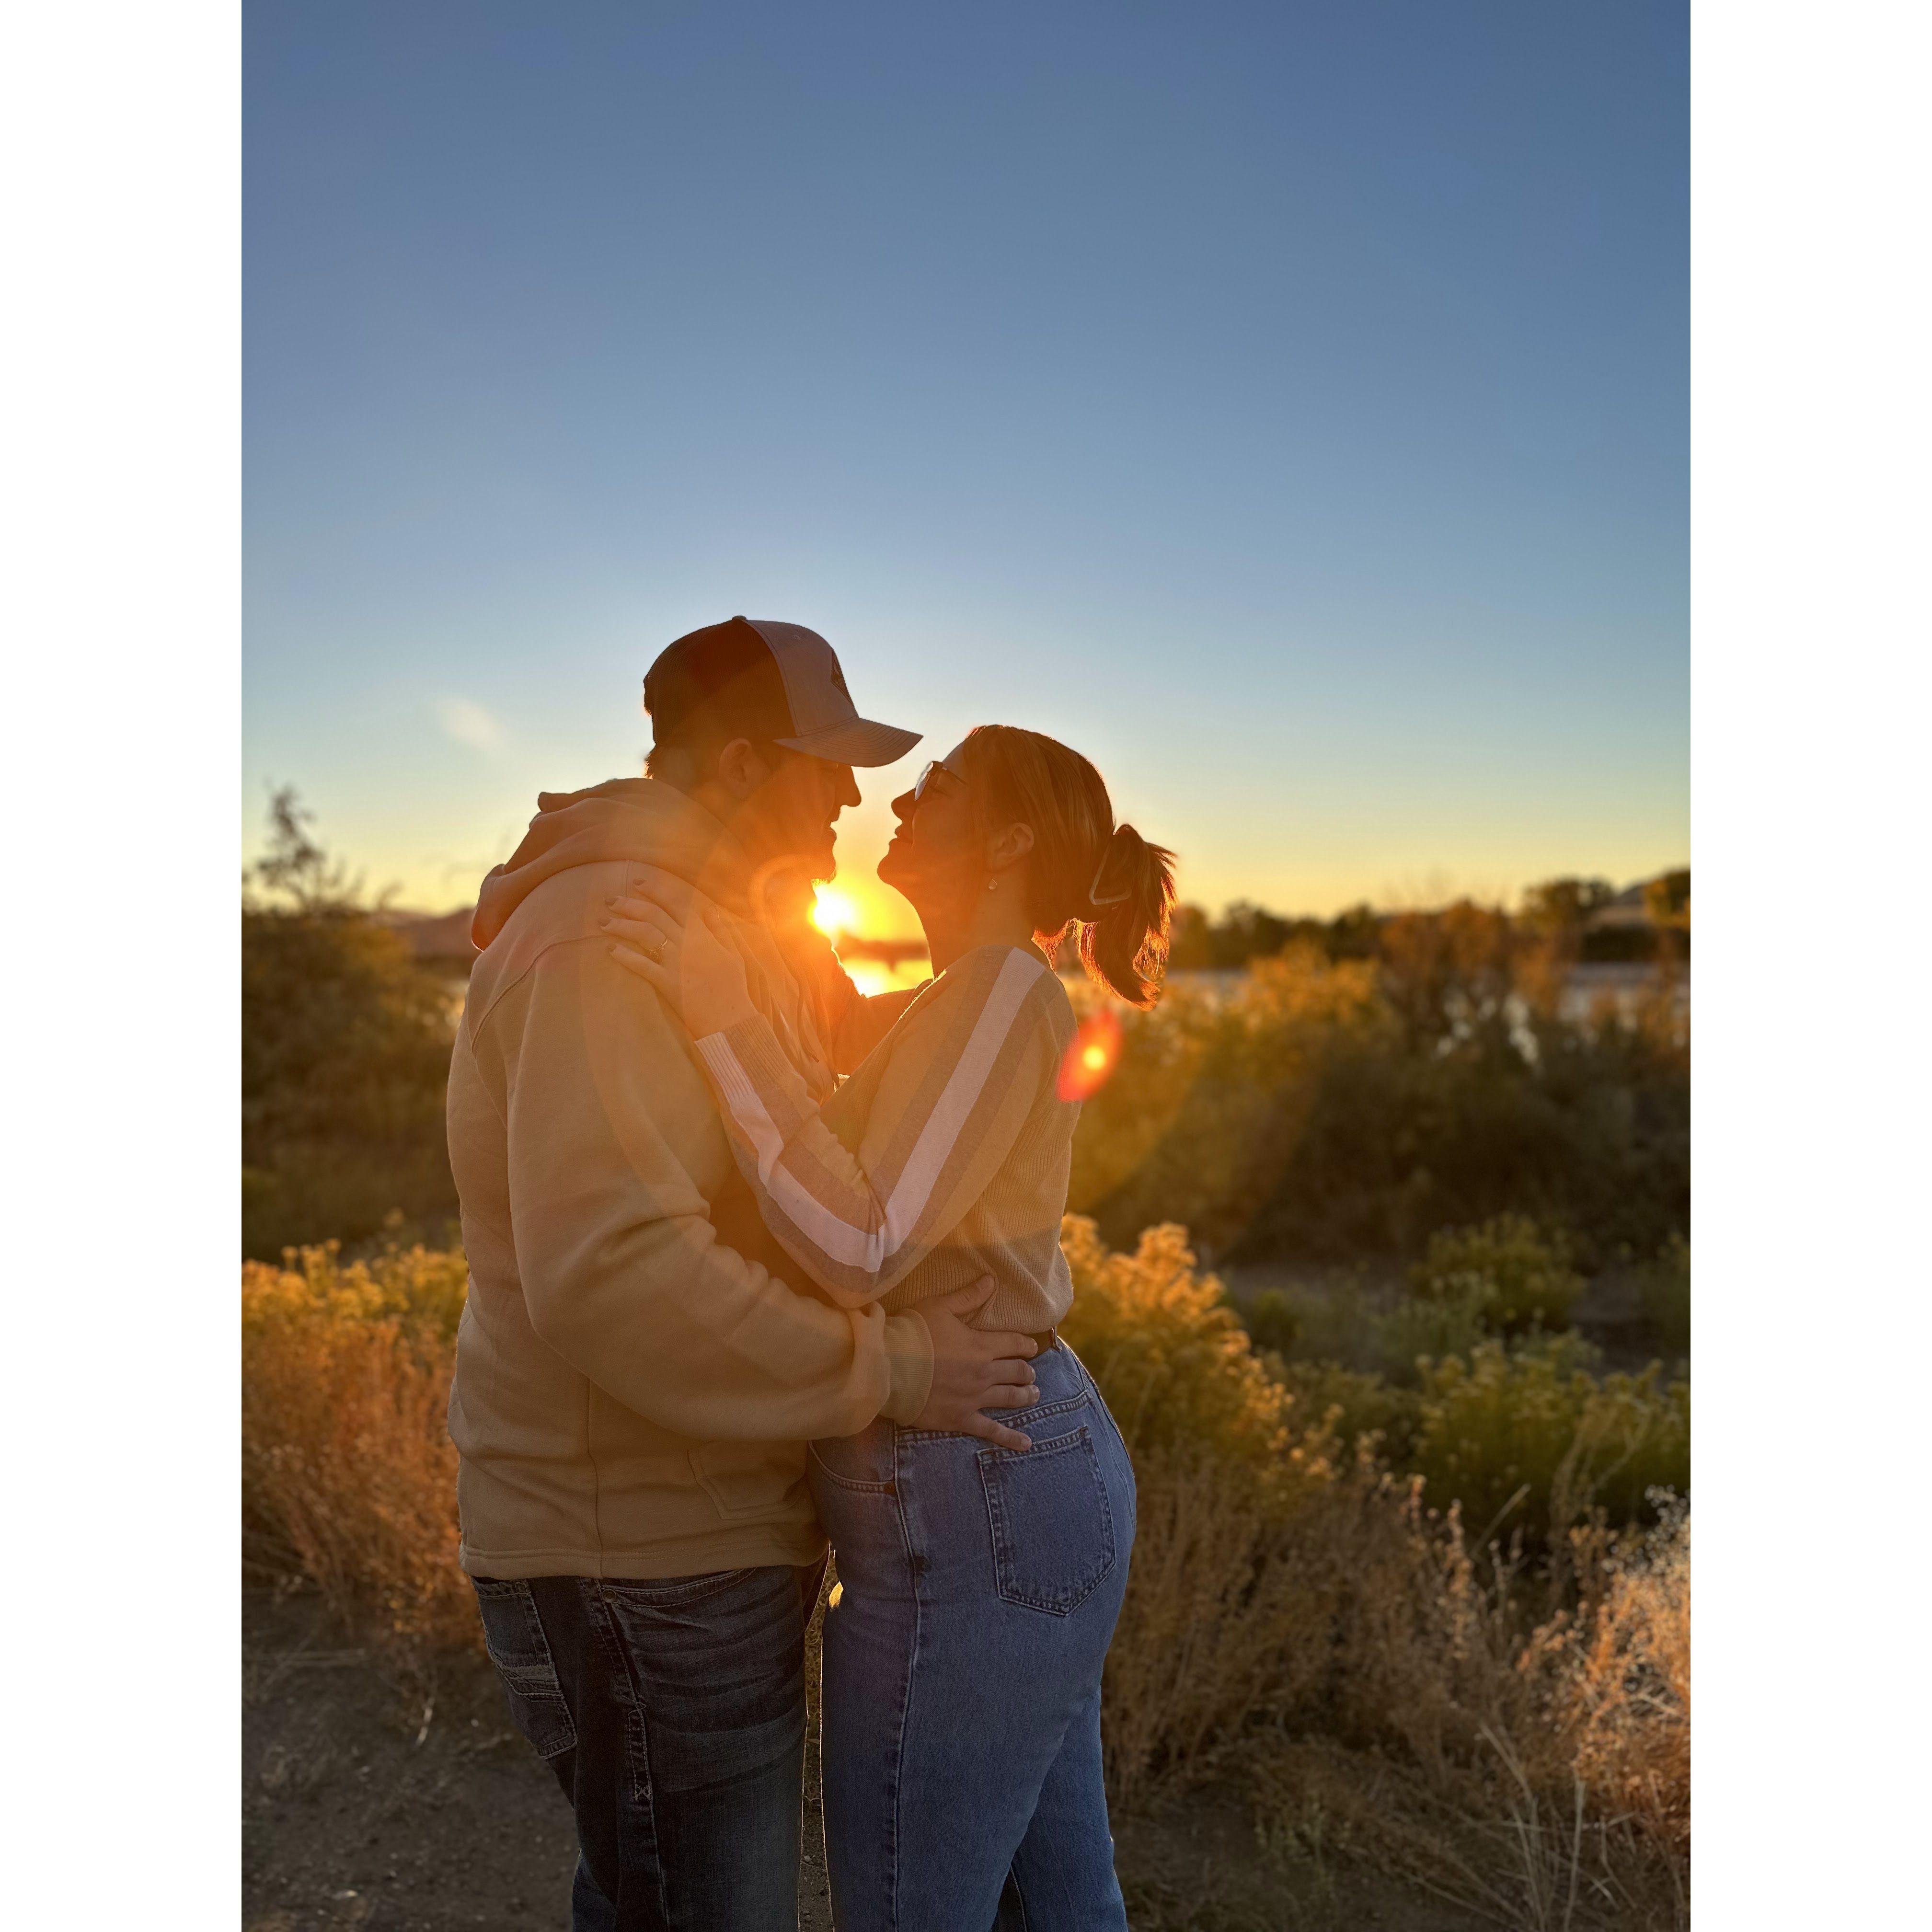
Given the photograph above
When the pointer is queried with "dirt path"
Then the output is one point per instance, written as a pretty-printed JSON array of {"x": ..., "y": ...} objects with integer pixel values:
[{"x": 360, "y": 1808}]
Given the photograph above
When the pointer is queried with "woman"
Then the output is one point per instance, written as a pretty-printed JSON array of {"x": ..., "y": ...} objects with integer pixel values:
[{"x": 979, "y": 1586}]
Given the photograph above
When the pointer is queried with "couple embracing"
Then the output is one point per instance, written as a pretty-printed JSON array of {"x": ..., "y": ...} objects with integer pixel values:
[{"x": 757, "y": 1261}]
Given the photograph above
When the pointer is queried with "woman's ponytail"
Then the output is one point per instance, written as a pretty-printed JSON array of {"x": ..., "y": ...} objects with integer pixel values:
[
  {"x": 1124, "y": 937},
  {"x": 1087, "y": 872}
]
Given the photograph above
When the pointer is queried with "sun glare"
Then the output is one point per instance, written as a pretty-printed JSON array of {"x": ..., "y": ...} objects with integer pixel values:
[
  {"x": 834, "y": 913},
  {"x": 1091, "y": 1058}
]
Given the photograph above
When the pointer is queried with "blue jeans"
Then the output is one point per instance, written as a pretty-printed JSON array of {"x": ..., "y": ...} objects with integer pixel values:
[
  {"x": 672, "y": 1713},
  {"x": 978, "y": 1591}
]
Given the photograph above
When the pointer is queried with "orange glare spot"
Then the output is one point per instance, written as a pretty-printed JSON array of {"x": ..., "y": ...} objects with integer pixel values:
[{"x": 1090, "y": 1059}]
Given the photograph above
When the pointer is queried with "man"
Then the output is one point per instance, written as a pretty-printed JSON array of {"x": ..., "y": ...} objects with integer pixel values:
[{"x": 634, "y": 1383}]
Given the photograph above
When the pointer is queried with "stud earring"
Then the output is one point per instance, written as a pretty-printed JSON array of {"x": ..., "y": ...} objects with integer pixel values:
[{"x": 992, "y": 885}]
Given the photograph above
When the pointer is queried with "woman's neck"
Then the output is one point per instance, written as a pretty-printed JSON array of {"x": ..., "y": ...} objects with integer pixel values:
[{"x": 994, "y": 919}]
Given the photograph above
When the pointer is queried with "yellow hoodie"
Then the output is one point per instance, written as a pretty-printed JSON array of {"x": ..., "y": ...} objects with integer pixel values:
[{"x": 635, "y": 1386}]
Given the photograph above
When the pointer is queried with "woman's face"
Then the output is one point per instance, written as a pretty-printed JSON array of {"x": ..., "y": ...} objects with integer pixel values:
[{"x": 936, "y": 857}]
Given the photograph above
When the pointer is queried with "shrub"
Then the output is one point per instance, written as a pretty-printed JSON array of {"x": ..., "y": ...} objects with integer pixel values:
[
  {"x": 1666, "y": 1295},
  {"x": 1354, "y": 1404},
  {"x": 1296, "y": 1618},
  {"x": 1213, "y": 1096},
  {"x": 1526, "y": 1438},
  {"x": 1450, "y": 1321},
  {"x": 345, "y": 1058},
  {"x": 1178, "y": 1368},
  {"x": 1507, "y": 1272},
  {"x": 1327, "y": 1640},
  {"x": 1341, "y": 1320},
  {"x": 348, "y": 1474},
  {"x": 1318, "y": 1110},
  {"x": 1274, "y": 1320},
  {"x": 1621, "y": 1681}
]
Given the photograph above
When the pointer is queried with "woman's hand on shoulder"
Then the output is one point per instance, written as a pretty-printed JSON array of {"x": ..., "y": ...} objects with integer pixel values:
[{"x": 672, "y": 937}]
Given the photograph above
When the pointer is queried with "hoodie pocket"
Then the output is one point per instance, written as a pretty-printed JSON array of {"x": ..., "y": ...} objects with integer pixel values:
[{"x": 748, "y": 1480}]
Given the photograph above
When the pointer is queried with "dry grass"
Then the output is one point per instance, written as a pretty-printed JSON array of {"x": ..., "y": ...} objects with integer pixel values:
[
  {"x": 1297, "y": 1625},
  {"x": 1298, "y": 1622},
  {"x": 348, "y": 1474},
  {"x": 1619, "y": 1675}
]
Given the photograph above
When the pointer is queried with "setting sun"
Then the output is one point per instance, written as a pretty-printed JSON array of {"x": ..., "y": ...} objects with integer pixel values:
[{"x": 834, "y": 913}]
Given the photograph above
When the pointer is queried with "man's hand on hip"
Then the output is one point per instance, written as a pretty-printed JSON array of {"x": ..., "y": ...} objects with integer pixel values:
[{"x": 974, "y": 1369}]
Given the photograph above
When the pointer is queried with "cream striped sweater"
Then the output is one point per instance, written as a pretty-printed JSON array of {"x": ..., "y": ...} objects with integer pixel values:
[{"x": 944, "y": 1158}]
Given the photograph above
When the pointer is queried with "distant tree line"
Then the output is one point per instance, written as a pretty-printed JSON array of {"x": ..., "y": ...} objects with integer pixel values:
[{"x": 1558, "y": 917}]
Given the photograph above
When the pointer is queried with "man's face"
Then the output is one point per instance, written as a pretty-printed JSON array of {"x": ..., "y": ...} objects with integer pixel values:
[{"x": 790, "y": 817}]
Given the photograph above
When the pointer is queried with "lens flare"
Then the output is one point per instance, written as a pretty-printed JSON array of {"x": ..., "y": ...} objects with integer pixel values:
[
  {"x": 1089, "y": 1063},
  {"x": 834, "y": 913}
]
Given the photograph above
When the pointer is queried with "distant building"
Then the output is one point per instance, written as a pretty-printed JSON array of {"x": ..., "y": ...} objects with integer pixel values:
[
  {"x": 1628, "y": 910},
  {"x": 1625, "y": 930}
]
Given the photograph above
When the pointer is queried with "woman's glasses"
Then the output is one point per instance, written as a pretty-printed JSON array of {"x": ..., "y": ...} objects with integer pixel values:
[{"x": 935, "y": 767}]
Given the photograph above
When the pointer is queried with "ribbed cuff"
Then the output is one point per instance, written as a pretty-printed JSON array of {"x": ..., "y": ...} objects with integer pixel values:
[
  {"x": 909, "y": 1366},
  {"x": 747, "y": 1060}
]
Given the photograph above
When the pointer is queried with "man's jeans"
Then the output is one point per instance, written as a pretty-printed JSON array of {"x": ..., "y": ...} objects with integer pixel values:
[
  {"x": 672, "y": 1713},
  {"x": 978, "y": 1590}
]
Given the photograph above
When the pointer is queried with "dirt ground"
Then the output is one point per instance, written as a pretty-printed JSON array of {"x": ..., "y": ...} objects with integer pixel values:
[{"x": 366, "y": 1803}]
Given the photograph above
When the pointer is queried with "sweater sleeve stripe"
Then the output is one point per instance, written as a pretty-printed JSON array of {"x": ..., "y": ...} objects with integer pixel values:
[
  {"x": 846, "y": 1227},
  {"x": 741, "y": 1098},
  {"x": 1019, "y": 974}
]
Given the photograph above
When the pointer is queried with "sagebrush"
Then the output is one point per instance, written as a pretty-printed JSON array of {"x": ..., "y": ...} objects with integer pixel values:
[{"x": 1300, "y": 1621}]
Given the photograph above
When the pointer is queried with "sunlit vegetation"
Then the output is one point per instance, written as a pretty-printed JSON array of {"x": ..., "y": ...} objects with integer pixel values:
[
  {"x": 1355, "y": 1640},
  {"x": 1413, "y": 1570},
  {"x": 348, "y": 1473},
  {"x": 345, "y": 1057},
  {"x": 1337, "y": 1109}
]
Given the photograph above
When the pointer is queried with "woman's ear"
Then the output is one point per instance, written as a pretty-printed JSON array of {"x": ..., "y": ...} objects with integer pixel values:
[{"x": 1008, "y": 847}]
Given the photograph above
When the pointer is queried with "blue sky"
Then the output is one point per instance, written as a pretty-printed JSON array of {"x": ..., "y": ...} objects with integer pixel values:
[{"x": 1287, "y": 405}]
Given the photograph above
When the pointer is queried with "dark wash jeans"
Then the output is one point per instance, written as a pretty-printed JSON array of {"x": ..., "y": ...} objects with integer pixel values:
[{"x": 672, "y": 1713}]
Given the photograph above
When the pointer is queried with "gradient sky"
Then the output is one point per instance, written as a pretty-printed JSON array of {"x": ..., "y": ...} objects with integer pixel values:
[{"x": 1285, "y": 404}]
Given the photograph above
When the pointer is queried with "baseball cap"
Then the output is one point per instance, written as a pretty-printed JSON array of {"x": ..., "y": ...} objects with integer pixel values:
[{"x": 753, "y": 677}]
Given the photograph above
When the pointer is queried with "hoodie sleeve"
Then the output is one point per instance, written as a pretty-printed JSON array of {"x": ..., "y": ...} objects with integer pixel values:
[
  {"x": 622, "y": 1272},
  {"x": 959, "y": 1080}
]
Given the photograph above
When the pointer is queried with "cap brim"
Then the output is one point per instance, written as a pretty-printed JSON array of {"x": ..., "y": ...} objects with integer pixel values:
[{"x": 860, "y": 742}]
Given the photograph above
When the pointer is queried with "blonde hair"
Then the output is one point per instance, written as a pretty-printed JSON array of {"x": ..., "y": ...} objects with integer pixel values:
[{"x": 1086, "y": 871}]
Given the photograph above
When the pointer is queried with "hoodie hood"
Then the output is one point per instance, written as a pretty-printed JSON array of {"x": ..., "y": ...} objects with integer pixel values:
[{"x": 639, "y": 819}]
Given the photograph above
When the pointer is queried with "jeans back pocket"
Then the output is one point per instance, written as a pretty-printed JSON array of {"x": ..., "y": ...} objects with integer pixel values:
[
  {"x": 1052, "y": 1525},
  {"x": 513, "y": 1633}
]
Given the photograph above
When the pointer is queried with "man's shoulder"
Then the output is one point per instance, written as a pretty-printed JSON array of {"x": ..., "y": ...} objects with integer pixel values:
[{"x": 565, "y": 910}]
